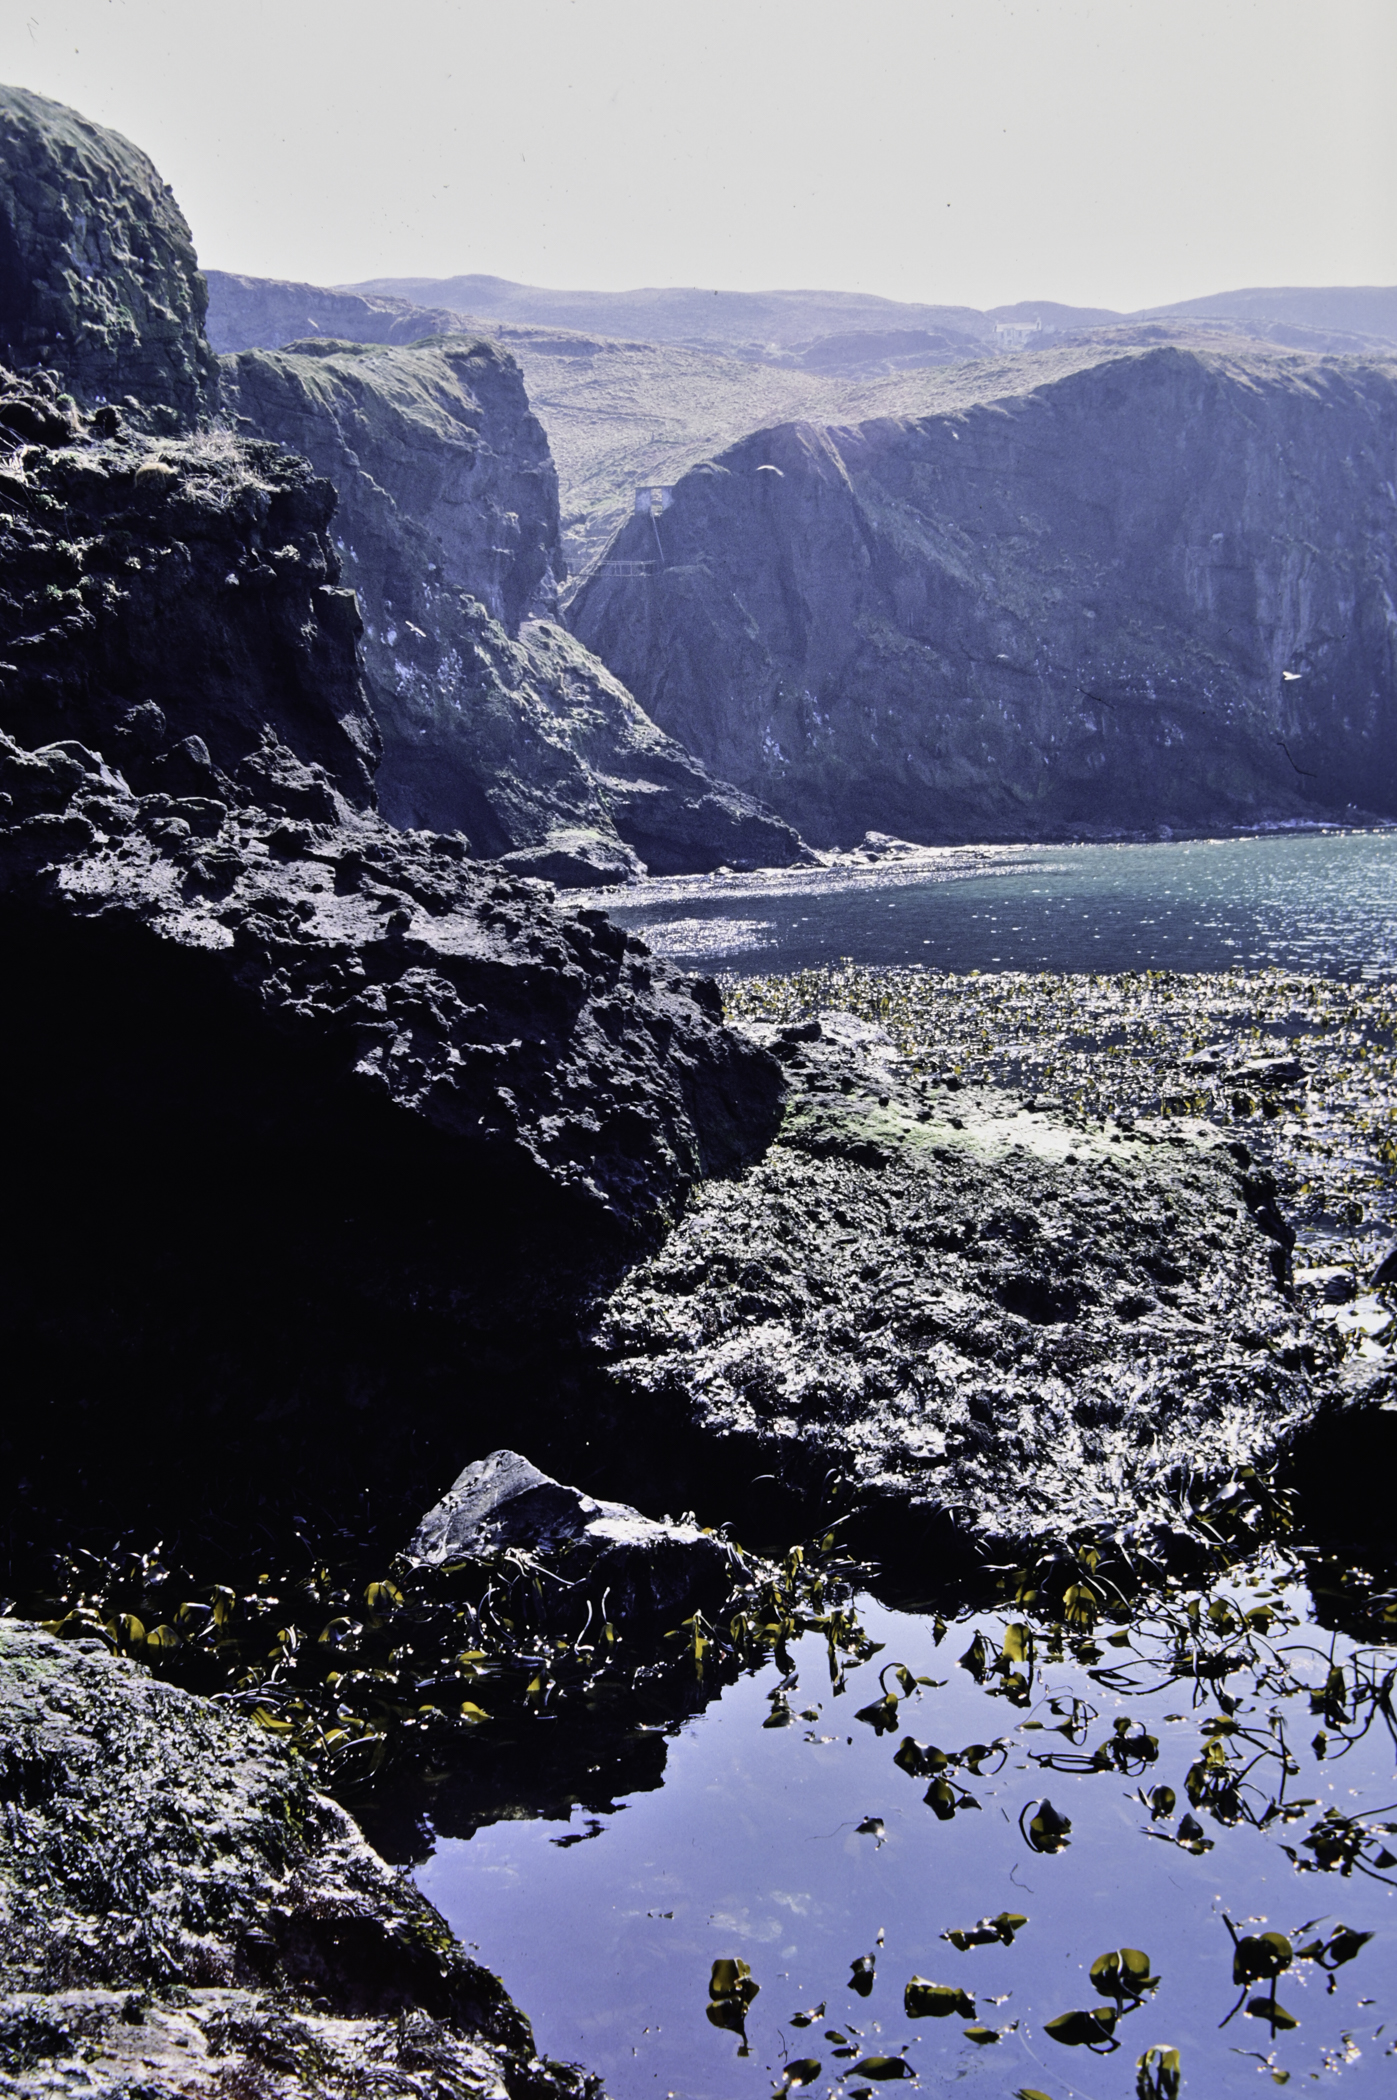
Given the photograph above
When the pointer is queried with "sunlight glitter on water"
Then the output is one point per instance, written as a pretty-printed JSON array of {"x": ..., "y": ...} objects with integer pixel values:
[{"x": 1321, "y": 902}]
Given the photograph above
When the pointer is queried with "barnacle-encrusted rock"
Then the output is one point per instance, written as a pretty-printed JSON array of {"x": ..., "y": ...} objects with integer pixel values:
[
  {"x": 966, "y": 1315},
  {"x": 98, "y": 276},
  {"x": 181, "y": 1913}
]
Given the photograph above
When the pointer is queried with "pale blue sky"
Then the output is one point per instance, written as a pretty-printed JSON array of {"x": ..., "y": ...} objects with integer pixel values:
[{"x": 1105, "y": 152}]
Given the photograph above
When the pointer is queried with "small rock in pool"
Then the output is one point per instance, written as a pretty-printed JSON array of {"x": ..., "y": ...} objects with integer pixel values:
[{"x": 643, "y": 1569}]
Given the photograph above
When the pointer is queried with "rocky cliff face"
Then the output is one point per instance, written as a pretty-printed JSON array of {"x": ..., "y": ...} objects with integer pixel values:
[
  {"x": 311, "y": 1105},
  {"x": 493, "y": 722},
  {"x": 1101, "y": 591},
  {"x": 98, "y": 277}
]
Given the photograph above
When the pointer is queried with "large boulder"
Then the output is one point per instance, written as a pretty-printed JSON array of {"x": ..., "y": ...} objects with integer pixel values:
[
  {"x": 312, "y": 1107},
  {"x": 181, "y": 1912},
  {"x": 98, "y": 276},
  {"x": 495, "y": 721},
  {"x": 953, "y": 1315}
]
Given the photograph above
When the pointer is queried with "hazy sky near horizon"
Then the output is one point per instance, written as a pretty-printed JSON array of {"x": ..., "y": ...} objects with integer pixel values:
[{"x": 1118, "y": 153}]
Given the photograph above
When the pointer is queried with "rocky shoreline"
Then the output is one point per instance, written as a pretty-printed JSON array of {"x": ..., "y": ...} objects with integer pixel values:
[{"x": 352, "y": 1176}]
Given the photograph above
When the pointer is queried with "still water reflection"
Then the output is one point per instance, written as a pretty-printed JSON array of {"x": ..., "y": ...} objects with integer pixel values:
[{"x": 803, "y": 1847}]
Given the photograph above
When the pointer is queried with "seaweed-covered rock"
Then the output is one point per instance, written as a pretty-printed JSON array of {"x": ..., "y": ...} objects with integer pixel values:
[
  {"x": 495, "y": 721},
  {"x": 630, "y": 1567},
  {"x": 181, "y": 1913},
  {"x": 966, "y": 1316},
  {"x": 98, "y": 276}
]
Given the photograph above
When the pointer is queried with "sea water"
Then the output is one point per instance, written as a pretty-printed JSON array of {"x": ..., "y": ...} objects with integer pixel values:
[
  {"x": 1321, "y": 902},
  {"x": 802, "y": 1848}
]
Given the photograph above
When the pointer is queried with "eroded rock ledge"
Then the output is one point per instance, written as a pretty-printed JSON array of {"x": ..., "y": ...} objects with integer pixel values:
[{"x": 182, "y": 1914}]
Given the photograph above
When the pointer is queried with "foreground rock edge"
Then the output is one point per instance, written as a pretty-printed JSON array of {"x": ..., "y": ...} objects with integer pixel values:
[{"x": 182, "y": 1911}]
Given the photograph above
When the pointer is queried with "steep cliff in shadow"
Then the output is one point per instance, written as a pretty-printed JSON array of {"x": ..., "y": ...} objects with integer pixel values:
[
  {"x": 1098, "y": 591},
  {"x": 494, "y": 722},
  {"x": 98, "y": 276}
]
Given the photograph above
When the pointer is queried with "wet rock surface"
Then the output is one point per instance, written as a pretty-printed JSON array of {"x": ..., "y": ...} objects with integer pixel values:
[
  {"x": 965, "y": 1316},
  {"x": 496, "y": 722},
  {"x": 629, "y": 1567},
  {"x": 1094, "y": 590},
  {"x": 98, "y": 276},
  {"x": 183, "y": 1913}
]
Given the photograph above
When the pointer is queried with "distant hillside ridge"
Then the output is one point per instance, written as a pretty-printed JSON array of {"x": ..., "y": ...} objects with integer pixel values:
[
  {"x": 622, "y": 413},
  {"x": 781, "y": 323},
  {"x": 1356, "y": 309},
  {"x": 1094, "y": 591},
  {"x": 756, "y": 322}
]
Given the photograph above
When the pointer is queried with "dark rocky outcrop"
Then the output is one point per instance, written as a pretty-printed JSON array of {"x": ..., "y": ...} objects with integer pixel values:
[
  {"x": 98, "y": 276},
  {"x": 956, "y": 1316},
  {"x": 181, "y": 1913},
  {"x": 409, "y": 1102},
  {"x": 1342, "y": 1465},
  {"x": 177, "y": 605},
  {"x": 1099, "y": 591},
  {"x": 493, "y": 723},
  {"x": 627, "y": 1566}
]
